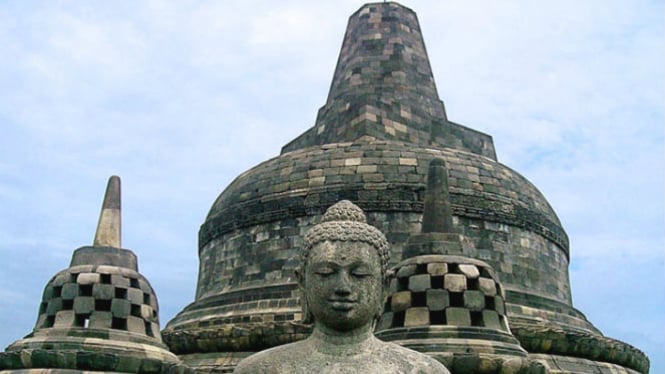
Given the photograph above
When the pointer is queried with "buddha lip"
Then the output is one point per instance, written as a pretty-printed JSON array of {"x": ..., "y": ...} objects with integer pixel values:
[{"x": 342, "y": 304}]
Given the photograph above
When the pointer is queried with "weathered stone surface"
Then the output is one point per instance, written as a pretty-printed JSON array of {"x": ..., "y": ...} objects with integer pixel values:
[{"x": 454, "y": 282}]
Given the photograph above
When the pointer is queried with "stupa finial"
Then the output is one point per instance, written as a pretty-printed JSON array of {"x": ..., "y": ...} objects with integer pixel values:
[{"x": 109, "y": 228}]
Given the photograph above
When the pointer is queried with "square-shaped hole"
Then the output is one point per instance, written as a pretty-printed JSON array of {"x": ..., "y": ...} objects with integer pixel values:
[
  {"x": 42, "y": 307},
  {"x": 49, "y": 321},
  {"x": 105, "y": 278},
  {"x": 148, "y": 329},
  {"x": 437, "y": 317},
  {"x": 146, "y": 298},
  {"x": 67, "y": 304},
  {"x": 398, "y": 319},
  {"x": 57, "y": 291},
  {"x": 472, "y": 284},
  {"x": 85, "y": 290},
  {"x": 421, "y": 269},
  {"x": 134, "y": 283},
  {"x": 418, "y": 299},
  {"x": 453, "y": 269},
  {"x": 103, "y": 305},
  {"x": 489, "y": 303},
  {"x": 82, "y": 320},
  {"x": 120, "y": 293},
  {"x": 136, "y": 310},
  {"x": 437, "y": 282},
  {"x": 456, "y": 299},
  {"x": 119, "y": 323},
  {"x": 477, "y": 319}
]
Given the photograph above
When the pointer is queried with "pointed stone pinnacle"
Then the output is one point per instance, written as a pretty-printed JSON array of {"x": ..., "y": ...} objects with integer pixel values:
[
  {"x": 437, "y": 215},
  {"x": 109, "y": 227}
]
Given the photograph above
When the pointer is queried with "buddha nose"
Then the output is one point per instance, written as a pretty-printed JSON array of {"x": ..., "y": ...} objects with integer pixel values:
[{"x": 343, "y": 284}]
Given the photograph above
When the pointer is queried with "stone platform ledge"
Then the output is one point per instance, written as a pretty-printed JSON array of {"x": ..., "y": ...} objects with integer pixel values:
[
  {"x": 32, "y": 361},
  {"x": 575, "y": 365},
  {"x": 551, "y": 339},
  {"x": 216, "y": 362},
  {"x": 235, "y": 337},
  {"x": 480, "y": 363}
]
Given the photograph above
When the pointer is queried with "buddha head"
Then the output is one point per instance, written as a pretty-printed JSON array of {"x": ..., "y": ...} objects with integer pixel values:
[{"x": 343, "y": 271}]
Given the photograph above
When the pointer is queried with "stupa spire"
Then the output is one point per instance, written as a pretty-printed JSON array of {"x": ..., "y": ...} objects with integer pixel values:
[
  {"x": 437, "y": 214},
  {"x": 109, "y": 227},
  {"x": 383, "y": 88}
]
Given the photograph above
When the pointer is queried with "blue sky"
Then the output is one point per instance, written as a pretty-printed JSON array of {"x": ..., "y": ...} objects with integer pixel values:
[{"x": 178, "y": 98}]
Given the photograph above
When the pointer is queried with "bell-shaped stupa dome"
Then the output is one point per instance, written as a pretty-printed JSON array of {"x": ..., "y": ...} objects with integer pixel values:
[{"x": 99, "y": 314}]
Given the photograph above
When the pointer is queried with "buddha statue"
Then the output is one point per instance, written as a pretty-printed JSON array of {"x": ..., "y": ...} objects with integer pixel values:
[{"x": 343, "y": 276}]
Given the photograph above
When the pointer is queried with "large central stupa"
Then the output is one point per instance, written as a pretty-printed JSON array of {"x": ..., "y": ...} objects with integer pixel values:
[{"x": 382, "y": 124}]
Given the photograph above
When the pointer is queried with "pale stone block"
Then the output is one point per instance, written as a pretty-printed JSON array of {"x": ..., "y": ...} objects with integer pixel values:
[
  {"x": 454, "y": 282},
  {"x": 458, "y": 317},
  {"x": 87, "y": 278},
  {"x": 135, "y": 296},
  {"x": 416, "y": 317},
  {"x": 135, "y": 324},
  {"x": 437, "y": 268},
  {"x": 64, "y": 318},
  {"x": 471, "y": 271},
  {"x": 400, "y": 301},
  {"x": 101, "y": 320},
  {"x": 146, "y": 312},
  {"x": 487, "y": 286}
]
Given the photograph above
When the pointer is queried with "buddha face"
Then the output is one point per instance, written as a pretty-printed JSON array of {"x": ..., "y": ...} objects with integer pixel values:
[{"x": 342, "y": 284}]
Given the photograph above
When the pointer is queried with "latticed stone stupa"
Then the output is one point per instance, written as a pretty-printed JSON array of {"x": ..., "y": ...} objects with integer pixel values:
[
  {"x": 98, "y": 315},
  {"x": 382, "y": 124},
  {"x": 480, "y": 258}
]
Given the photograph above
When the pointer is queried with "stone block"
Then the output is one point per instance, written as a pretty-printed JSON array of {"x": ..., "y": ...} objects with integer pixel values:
[
  {"x": 420, "y": 282},
  {"x": 88, "y": 278},
  {"x": 54, "y": 305},
  {"x": 103, "y": 291},
  {"x": 458, "y": 317},
  {"x": 135, "y": 296},
  {"x": 385, "y": 322},
  {"x": 84, "y": 304},
  {"x": 416, "y": 317},
  {"x": 64, "y": 318},
  {"x": 135, "y": 324},
  {"x": 491, "y": 320},
  {"x": 406, "y": 271},
  {"x": 454, "y": 282},
  {"x": 400, "y": 301},
  {"x": 470, "y": 271},
  {"x": 437, "y": 299},
  {"x": 437, "y": 268},
  {"x": 61, "y": 279},
  {"x": 146, "y": 312},
  {"x": 101, "y": 320},
  {"x": 69, "y": 291},
  {"x": 474, "y": 300},
  {"x": 487, "y": 286},
  {"x": 120, "y": 308},
  {"x": 499, "y": 305},
  {"x": 119, "y": 280},
  {"x": 145, "y": 286}
]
